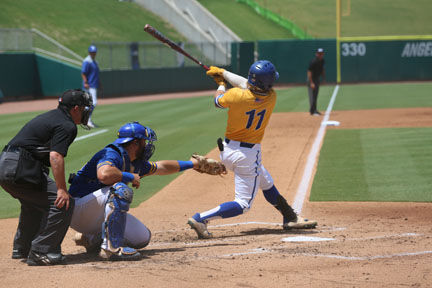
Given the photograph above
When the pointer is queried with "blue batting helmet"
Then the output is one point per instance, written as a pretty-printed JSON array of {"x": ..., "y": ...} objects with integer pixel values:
[
  {"x": 262, "y": 74},
  {"x": 134, "y": 130},
  {"x": 92, "y": 49}
]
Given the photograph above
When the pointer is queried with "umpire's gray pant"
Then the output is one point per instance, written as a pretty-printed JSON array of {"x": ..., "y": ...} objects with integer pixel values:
[
  {"x": 313, "y": 97},
  {"x": 42, "y": 226}
]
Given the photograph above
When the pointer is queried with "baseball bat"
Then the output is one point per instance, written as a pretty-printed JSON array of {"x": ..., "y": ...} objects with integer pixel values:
[{"x": 158, "y": 35}]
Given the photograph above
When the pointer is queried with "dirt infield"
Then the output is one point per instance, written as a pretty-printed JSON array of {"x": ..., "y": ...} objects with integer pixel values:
[{"x": 355, "y": 245}]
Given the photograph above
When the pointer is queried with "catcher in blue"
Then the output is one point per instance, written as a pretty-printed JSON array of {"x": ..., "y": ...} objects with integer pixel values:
[
  {"x": 102, "y": 196},
  {"x": 250, "y": 104}
]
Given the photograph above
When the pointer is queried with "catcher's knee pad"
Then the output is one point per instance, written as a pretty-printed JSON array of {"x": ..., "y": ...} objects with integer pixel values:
[{"x": 115, "y": 215}]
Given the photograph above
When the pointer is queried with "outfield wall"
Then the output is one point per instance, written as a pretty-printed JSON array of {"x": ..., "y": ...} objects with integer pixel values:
[
  {"x": 33, "y": 75},
  {"x": 292, "y": 57},
  {"x": 396, "y": 60},
  {"x": 19, "y": 75},
  {"x": 155, "y": 80},
  {"x": 29, "y": 75},
  {"x": 360, "y": 61}
]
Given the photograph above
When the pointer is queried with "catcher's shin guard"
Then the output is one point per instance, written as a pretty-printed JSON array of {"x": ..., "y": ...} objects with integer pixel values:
[{"x": 115, "y": 223}]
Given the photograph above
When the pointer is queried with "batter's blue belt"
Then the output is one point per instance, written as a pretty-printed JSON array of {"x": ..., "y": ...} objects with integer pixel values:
[{"x": 242, "y": 144}]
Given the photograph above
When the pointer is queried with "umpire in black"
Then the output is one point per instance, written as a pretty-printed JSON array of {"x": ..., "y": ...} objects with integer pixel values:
[
  {"x": 314, "y": 72},
  {"x": 46, "y": 206}
]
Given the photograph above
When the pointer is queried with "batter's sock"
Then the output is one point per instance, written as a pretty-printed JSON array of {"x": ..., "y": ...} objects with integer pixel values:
[
  {"x": 273, "y": 196},
  {"x": 224, "y": 210}
]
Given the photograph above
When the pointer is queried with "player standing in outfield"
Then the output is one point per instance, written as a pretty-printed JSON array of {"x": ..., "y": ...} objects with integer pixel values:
[
  {"x": 315, "y": 71},
  {"x": 102, "y": 197},
  {"x": 250, "y": 105},
  {"x": 90, "y": 77}
]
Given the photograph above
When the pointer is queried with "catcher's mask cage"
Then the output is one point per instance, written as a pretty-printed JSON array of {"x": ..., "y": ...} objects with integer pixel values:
[
  {"x": 262, "y": 75},
  {"x": 135, "y": 130}
]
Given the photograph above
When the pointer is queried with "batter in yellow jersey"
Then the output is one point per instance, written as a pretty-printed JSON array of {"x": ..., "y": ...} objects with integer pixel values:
[
  {"x": 250, "y": 104},
  {"x": 248, "y": 113}
]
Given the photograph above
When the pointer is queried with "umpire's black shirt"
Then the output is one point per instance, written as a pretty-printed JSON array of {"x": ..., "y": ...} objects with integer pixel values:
[
  {"x": 51, "y": 131},
  {"x": 316, "y": 66}
]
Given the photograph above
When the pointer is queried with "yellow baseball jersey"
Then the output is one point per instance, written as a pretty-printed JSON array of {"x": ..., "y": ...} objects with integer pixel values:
[{"x": 248, "y": 113}]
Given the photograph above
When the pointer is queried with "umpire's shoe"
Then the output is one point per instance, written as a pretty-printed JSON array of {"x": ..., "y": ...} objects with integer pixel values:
[
  {"x": 42, "y": 259},
  {"x": 19, "y": 254},
  {"x": 123, "y": 254},
  {"x": 299, "y": 223},
  {"x": 199, "y": 227}
]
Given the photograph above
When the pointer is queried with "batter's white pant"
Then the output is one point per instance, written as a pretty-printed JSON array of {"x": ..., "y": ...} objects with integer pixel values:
[
  {"x": 89, "y": 214},
  {"x": 249, "y": 172}
]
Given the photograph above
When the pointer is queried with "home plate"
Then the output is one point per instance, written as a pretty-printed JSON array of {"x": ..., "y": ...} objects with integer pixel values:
[{"x": 305, "y": 239}]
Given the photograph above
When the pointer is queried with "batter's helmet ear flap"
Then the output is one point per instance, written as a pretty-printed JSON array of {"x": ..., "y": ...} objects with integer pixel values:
[{"x": 262, "y": 74}]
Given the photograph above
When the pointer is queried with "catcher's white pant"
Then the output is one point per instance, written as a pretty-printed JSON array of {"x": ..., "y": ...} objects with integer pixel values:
[
  {"x": 249, "y": 172},
  {"x": 89, "y": 214}
]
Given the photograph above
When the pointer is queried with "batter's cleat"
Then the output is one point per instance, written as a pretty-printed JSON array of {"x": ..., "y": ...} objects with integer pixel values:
[
  {"x": 91, "y": 248},
  {"x": 41, "y": 259},
  {"x": 123, "y": 254},
  {"x": 299, "y": 223},
  {"x": 200, "y": 228},
  {"x": 19, "y": 254}
]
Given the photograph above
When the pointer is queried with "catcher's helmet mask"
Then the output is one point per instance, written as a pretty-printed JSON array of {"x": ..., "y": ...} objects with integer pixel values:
[
  {"x": 262, "y": 75},
  {"x": 134, "y": 130}
]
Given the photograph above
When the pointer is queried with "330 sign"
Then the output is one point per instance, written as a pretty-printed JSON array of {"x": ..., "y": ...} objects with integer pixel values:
[{"x": 353, "y": 49}]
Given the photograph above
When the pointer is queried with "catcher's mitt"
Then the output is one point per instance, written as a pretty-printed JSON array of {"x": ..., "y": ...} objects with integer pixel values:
[{"x": 209, "y": 166}]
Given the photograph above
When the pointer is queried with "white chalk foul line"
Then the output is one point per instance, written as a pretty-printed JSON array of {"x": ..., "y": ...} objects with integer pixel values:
[
  {"x": 310, "y": 164},
  {"x": 406, "y": 254},
  {"x": 323, "y": 229},
  {"x": 386, "y": 236},
  {"x": 91, "y": 135},
  {"x": 253, "y": 251},
  {"x": 245, "y": 223}
]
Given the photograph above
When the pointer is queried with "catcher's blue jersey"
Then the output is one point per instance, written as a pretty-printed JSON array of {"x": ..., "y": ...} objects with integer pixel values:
[{"x": 86, "y": 182}]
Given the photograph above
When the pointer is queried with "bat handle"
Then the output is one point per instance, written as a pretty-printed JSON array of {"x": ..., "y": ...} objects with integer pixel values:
[{"x": 205, "y": 67}]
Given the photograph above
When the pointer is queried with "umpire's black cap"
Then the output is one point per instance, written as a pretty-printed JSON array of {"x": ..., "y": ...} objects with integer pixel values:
[{"x": 74, "y": 97}]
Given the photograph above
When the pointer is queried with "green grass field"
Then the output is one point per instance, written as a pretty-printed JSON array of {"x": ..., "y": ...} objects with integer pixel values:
[
  {"x": 387, "y": 164},
  {"x": 358, "y": 164},
  {"x": 392, "y": 164},
  {"x": 76, "y": 23},
  {"x": 361, "y": 18},
  {"x": 243, "y": 21}
]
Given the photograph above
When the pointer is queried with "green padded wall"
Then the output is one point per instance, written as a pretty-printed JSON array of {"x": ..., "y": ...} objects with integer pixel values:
[
  {"x": 56, "y": 77},
  {"x": 155, "y": 80},
  {"x": 292, "y": 57},
  {"x": 18, "y": 75},
  {"x": 371, "y": 61}
]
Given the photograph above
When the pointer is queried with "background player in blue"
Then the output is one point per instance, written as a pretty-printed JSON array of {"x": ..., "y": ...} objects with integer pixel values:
[
  {"x": 102, "y": 198},
  {"x": 90, "y": 77}
]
